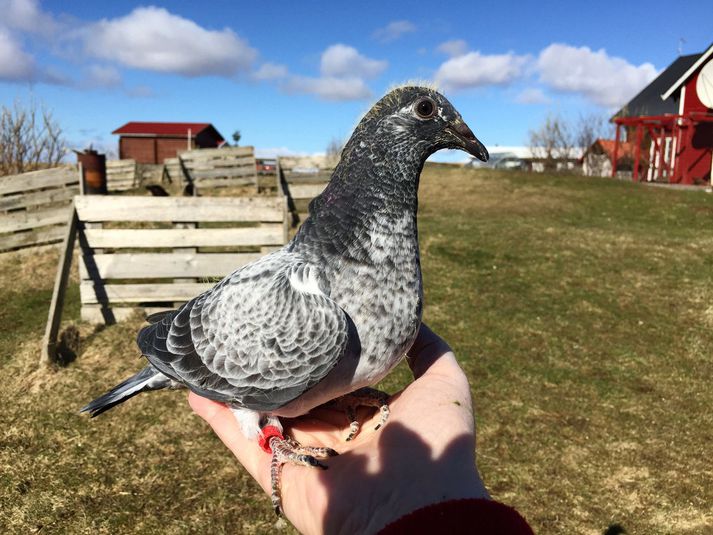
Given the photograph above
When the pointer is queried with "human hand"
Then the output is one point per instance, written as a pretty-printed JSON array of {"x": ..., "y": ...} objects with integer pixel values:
[{"x": 425, "y": 453}]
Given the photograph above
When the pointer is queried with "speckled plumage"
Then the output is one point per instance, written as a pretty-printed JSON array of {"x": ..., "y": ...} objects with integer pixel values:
[{"x": 338, "y": 306}]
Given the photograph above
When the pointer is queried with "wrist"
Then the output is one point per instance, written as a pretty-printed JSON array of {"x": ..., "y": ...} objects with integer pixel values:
[{"x": 427, "y": 489}]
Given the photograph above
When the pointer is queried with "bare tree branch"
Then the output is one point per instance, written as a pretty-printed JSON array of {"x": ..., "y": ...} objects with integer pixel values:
[
  {"x": 334, "y": 150},
  {"x": 552, "y": 142},
  {"x": 30, "y": 138},
  {"x": 590, "y": 128}
]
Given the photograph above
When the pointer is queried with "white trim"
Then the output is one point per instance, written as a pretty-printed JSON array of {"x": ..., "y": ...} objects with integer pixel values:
[{"x": 688, "y": 73}]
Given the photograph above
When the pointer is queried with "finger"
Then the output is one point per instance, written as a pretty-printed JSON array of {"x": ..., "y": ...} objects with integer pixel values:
[{"x": 221, "y": 419}]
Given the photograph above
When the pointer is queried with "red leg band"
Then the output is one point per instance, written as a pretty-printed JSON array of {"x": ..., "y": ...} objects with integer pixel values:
[{"x": 268, "y": 432}]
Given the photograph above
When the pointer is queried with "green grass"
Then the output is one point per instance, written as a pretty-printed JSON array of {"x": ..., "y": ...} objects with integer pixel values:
[{"x": 581, "y": 310}]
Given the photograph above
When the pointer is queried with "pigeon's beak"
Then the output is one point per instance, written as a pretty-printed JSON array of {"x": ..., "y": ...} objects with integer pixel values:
[{"x": 467, "y": 140}]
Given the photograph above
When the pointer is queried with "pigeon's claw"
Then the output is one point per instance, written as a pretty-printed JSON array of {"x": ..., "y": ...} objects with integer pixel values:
[
  {"x": 287, "y": 450},
  {"x": 364, "y": 397}
]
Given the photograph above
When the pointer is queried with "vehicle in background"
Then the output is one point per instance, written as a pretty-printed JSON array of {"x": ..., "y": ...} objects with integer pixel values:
[{"x": 266, "y": 166}]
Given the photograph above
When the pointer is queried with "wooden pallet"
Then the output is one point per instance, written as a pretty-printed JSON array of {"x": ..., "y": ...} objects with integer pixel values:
[
  {"x": 35, "y": 206},
  {"x": 152, "y": 253},
  {"x": 121, "y": 175},
  {"x": 214, "y": 168},
  {"x": 301, "y": 179}
]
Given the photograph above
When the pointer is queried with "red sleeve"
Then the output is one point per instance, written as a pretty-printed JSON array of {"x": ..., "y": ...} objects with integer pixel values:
[{"x": 469, "y": 516}]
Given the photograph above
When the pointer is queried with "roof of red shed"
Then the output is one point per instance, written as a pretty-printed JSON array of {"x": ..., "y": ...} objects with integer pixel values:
[{"x": 164, "y": 129}]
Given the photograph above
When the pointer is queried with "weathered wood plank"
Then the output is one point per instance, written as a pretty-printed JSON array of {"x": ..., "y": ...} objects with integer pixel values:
[
  {"x": 190, "y": 252},
  {"x": 306, "y": 191},
  {"x": 38, "y": 198},
  {"x": 301, "y": 206},
  {"x": 177, "y": 209},
  {"x": 16, "y": 221},
  {"x": 121, "y": 174},
  {"x": 45, "y": 178},
  {"x": 120, "y": 164},
  {"x": 99, "y": 291},
  {"x": 209, "y": 183},
  {"x": 225, "y": 152},
  {"x": 54, "y": 316},
  {"x": 121, "y": 185},
  {"x": 308, "y": 179},
  {"x": 216, "y": 168},
  {"x": 167, "y": 265},
  {"x": 200, "y": 237},
  {"x": 243, "y": 161},
  {"x": 41, "y": 236},
  {"x": 142, "y": 293},
  {"x": 95, "y": 314},
  {"x": 224, "y": 172}
]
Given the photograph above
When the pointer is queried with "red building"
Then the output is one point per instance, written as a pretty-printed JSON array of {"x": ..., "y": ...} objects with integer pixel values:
[
  {"x": 670, "y": 123},
  {"x": 154, "y": 142}
]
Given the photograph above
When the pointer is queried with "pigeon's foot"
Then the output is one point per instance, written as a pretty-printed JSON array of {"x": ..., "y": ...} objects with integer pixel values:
[
  {"x": 364, "y": 397},
  {"x": 287, "y": 450}
]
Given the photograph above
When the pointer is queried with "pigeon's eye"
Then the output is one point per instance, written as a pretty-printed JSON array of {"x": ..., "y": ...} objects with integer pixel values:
[{"x": 425, "y": 108}]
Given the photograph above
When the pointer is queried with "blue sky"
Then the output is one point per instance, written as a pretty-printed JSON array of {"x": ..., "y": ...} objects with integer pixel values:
[{"x": 293, "y": 75}]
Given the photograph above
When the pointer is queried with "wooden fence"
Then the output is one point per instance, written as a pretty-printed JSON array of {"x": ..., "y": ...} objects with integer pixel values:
[
  {"x": 35, "y": 206},
  {"x": 214, "y": 168},
  {"x": 150, "y": 252},
  {"x": 121, "y": 175},
  {"x": 301, "y": 179}
]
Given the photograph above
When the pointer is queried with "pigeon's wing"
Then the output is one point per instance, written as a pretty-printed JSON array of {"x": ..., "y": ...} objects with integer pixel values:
[{"x": 260, "y": 338}]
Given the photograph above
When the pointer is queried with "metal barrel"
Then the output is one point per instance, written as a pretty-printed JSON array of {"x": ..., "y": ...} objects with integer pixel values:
[{"x": 93, "y": 171}]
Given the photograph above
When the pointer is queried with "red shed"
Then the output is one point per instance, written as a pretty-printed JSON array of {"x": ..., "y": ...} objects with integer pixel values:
[
  {"x": 670, "y": 123},
  {"x": 154, "y": 142}
]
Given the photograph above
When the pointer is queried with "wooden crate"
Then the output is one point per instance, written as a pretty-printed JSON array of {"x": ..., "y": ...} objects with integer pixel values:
[
  {"x": 152, "y": 252},
  {"x": 173, "y": 172},
  {"x": 35, "y": 206},
  {"x": 121, "y": 175},
  {"x": 301, "y": 179},
  {"x": 215, "y": 168}
]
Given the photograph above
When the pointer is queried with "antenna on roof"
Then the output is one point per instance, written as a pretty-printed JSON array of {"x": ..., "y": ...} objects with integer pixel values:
[{"x": 681, "y": 42}]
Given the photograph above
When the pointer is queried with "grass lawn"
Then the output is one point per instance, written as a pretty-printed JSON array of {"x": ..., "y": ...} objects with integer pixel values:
[{"x": 581, "y": 309}]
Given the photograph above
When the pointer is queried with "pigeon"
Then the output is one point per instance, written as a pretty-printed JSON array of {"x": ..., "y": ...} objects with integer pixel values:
[{"x": 329, "y": 314}]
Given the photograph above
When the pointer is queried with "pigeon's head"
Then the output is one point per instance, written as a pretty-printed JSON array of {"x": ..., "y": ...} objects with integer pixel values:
[{"x": 421, "y": 119}]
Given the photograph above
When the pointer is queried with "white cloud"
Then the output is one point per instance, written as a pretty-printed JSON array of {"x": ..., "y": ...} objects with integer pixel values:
[
  {"x": 394, "y": 30},
  {"x": 603, "y": 79},
  {"x": 475, "y": 69},
  {"x": 345, "y": 61},
  {"x": 27, "y": 16},
  {"x": 154, "y": 39},
  {"x": 15, "y": 64},
  {"x": 454, "y": 48},
  {"x": 532, "y": 95},
  {"x": 343, "y": 75},
  {"x": 330, "y": 88},
  {"x": 270, "y": 71}
]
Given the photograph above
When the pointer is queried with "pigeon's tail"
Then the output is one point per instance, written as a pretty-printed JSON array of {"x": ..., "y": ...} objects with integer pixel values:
[{"x": 147, "y": 379}]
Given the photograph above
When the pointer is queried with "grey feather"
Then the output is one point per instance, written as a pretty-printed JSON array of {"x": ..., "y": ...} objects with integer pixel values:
[{"x": 254, "y": 340}]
